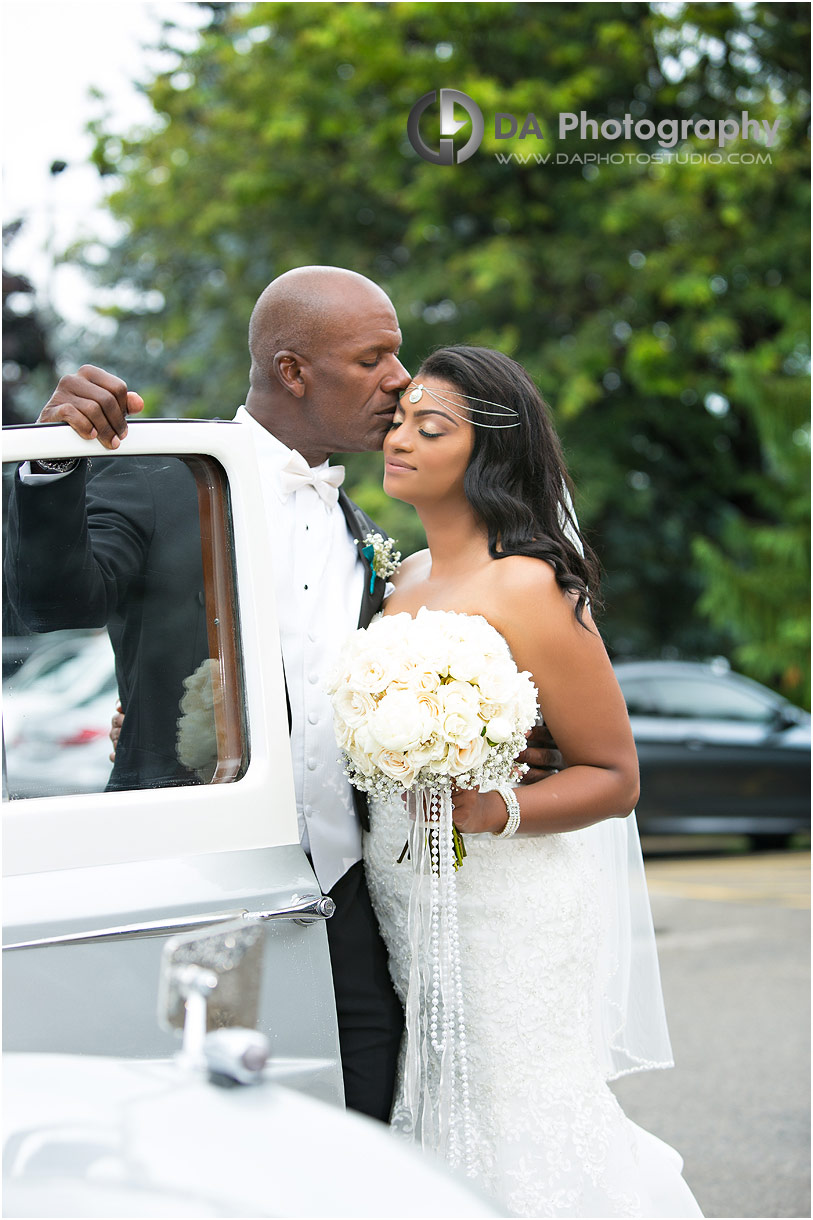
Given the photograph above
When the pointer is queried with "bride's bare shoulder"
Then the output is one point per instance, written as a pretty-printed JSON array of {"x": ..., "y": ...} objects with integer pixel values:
[
  {"x": 523, "y": 586},
  {"x": 411, "y": 569},
  {"x": 522, "y": 575},
  {"x": 533, "y": 612}
]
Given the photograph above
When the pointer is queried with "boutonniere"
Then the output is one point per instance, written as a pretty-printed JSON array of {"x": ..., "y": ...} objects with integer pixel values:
[{"x": 381, "y": 555}]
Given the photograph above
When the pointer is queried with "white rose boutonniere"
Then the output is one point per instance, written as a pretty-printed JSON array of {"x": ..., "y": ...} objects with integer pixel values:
[{"x": 381, "y": 555}]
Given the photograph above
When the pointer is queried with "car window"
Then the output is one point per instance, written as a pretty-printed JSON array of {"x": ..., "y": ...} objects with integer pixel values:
[
  {"x": 700, "y": 698},
  {"x": 638, "y": 697},
  {"x": 123, "y": 573}
]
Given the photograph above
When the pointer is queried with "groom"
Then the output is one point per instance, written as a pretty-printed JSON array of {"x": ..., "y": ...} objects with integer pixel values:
[{"x": 325, "y": 377}]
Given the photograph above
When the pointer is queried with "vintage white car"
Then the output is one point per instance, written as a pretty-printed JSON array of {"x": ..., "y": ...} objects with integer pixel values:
[{"x": 97, "y": 883}]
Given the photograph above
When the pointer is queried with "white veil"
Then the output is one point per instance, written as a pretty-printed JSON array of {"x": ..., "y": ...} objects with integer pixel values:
[{"x": 631, "y": 1032}]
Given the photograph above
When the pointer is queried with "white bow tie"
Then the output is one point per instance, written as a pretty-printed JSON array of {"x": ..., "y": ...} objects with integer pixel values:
[{"x": 297, "y": 473}]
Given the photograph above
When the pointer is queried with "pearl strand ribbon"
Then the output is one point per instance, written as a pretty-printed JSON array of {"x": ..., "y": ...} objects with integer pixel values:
[{"x": 436, "y": 1111}]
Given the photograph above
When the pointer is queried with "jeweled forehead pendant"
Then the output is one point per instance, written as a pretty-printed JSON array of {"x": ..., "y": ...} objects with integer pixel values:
[{"x": 445, "y": 402}]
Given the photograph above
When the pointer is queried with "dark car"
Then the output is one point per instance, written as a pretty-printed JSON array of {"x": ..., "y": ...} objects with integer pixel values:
[{"x": 719, "y": 753}]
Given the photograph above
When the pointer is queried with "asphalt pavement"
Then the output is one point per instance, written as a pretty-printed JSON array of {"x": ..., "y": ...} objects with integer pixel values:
[{"x": 733, "y": 936}]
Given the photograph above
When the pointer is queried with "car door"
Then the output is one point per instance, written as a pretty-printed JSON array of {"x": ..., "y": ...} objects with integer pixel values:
[{"x": 96, "y": 880}]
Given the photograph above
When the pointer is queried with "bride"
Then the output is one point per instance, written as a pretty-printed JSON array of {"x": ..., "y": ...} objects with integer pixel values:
[{"x": 559, "y": 976}]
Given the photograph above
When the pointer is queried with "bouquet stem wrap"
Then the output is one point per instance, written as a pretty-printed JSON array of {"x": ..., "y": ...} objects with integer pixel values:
[{"x": 435, "y": 1111}]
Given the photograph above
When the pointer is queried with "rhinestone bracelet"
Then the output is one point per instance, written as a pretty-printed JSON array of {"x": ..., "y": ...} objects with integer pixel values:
[{"x": 512, "y": 805}]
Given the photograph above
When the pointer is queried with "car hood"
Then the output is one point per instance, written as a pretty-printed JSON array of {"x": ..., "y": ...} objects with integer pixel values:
[{"x": 141, "y": 1138}]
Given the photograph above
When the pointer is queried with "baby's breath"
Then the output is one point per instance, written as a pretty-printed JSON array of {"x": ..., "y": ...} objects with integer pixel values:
[{"x": 385, "y": 559}]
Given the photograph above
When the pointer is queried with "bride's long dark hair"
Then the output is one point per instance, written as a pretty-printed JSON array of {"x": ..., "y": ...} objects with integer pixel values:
[{"x": 516, "y": 480}]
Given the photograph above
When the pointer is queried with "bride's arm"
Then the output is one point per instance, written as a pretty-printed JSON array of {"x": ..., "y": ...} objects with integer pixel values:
[{"x": 580, "y": 701}]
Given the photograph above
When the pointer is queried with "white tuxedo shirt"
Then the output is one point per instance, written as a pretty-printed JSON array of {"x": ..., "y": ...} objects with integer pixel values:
[{"x": 319, "y": 580}]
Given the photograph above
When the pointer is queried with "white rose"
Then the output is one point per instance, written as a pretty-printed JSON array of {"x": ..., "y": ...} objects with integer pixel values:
[
  {"x": 466, "y": 661},
  {"x": 499, "y": 729},
  {"x": 362, "y": 762},
  {"x": 461, "y": 719},
  {"x": 431, "y": 711},
  {"x": 525, "y": 702},
  {"x": 396, "y": 765},
  {"x": 400, "y": 721},
  {"x": 489, "y": 709},
  {"x": 467, "y": 756},
  {"x": 498, "y": 683},
  {"x": 353, "y": 706},
  {"x": 364, "y": 747},
  {"x": 464, "y": 692},
  {"x": 370, "y": 672},
  {"x": 345, "y": 738},
  {"x": 430, "y": 754}
]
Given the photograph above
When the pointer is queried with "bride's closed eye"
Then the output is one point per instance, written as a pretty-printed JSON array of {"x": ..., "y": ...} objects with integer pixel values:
[{"x": 396, "y": 423}]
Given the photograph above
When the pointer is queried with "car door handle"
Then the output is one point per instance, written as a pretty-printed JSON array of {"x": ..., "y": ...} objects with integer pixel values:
[
  {"x": 695, "y": 744},
  {"x": 303, "y": 910}
]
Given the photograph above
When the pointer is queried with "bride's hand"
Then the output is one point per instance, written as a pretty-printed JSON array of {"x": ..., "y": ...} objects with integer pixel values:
[{"x": 476, "y": 812}]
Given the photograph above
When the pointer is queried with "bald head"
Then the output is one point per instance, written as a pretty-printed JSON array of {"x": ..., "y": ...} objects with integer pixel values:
[
  {"x": 325, "y": 373},
  {"x": 302, "y": 309}
]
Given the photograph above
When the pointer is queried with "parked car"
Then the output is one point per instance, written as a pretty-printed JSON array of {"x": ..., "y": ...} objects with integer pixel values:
[
  {"x": 56, "y": 717},
  {"x": 719, "y": 753},
  {"x": 16, "y": 650}
]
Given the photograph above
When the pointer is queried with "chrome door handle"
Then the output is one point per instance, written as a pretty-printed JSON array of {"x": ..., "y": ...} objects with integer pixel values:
[{"x": 303, "y": 910}]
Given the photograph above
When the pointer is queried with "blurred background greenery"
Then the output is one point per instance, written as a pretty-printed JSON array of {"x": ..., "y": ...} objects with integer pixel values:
[{"x": 663, "y": 309}]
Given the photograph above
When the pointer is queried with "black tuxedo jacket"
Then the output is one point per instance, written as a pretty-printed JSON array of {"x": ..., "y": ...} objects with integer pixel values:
[{"x": 116, "y": 544}]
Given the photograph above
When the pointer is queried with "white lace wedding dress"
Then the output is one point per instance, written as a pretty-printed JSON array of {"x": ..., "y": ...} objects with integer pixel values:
[{"x": 547, "y": 1136}]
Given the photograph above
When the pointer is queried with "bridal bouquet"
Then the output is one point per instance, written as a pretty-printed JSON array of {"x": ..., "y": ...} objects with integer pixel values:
[{"x": 434, "y": 701}]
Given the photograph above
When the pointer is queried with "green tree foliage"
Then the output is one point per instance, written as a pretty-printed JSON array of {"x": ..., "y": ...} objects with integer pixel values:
[
  {"x": 661, "y": 307},
  {"x": 28, "y": 365}
]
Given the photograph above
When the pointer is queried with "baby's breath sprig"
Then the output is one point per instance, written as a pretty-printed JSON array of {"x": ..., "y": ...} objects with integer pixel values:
[{"x": 381, "y": 555}]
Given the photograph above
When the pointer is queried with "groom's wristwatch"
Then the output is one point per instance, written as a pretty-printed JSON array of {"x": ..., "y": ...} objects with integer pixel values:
[{"x": 54, "y": 465}]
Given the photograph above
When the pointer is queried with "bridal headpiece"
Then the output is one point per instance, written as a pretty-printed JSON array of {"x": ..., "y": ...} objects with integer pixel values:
[{"x": 444, "y": 401}]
